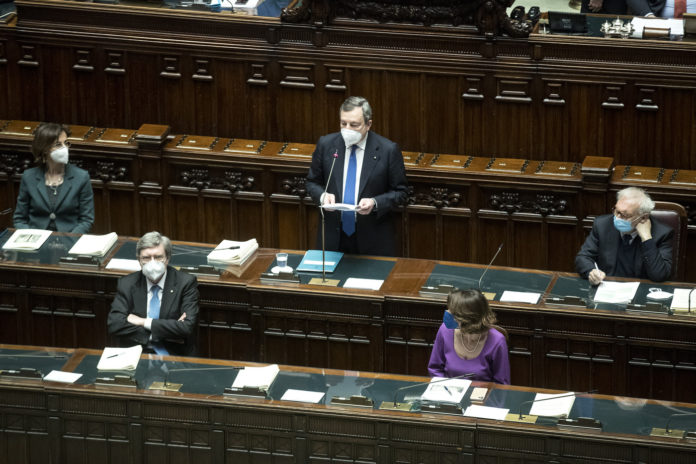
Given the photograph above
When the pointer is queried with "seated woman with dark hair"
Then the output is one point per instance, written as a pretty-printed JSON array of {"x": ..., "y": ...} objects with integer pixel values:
[
  {"x": 54, "y": 195},
  {"x": 468, "y": 343}
]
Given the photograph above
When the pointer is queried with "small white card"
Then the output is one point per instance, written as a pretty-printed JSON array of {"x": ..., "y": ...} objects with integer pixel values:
[
  {"x": 303, "y": 396},
  {"x": 520, "y": 297},
  {"x": 62, "y": 376},
  {"x": 486, "y": 412},
  {"x": 123, "y": 264},
  {"x": 365, "y": 284}
]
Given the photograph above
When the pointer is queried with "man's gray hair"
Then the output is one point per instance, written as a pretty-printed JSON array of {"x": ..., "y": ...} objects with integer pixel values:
[
  {"x": 358, "y": 102},
  {"x": 153, "y": 239},
  {"x": 640, "y": 196}
]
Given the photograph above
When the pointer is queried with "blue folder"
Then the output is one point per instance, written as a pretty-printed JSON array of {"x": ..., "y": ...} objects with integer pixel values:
[{"x": 312, "y": 261}]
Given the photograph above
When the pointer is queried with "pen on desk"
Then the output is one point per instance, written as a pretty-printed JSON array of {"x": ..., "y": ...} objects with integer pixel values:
[
  {"x": 114, "y": 355},
  {"x": 234, "y": 247},
  {"x": 447, "y": 390}
]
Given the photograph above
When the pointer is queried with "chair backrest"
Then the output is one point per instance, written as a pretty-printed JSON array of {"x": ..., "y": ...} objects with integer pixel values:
[
  {"x": 502, "y": 330},
  {"x": 674, "y": 215}
]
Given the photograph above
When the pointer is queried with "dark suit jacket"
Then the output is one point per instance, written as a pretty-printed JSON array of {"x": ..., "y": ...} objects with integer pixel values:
[
  {"x": 180, "y": 295},
  {"x": 74, "y": 207},
  {"x": 382, "y": 177},
  {"x": 653, "y": 260}
]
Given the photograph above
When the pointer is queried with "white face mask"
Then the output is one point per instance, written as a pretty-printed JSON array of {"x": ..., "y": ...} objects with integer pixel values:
[
  {"x": 60, "y": 155},
  {"x": 351, "y": 137},
  {"x": 154, "y": 270}
]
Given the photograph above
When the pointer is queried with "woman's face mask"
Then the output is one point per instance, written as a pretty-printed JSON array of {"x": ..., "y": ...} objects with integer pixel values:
[{"x": 449, "y": 320}]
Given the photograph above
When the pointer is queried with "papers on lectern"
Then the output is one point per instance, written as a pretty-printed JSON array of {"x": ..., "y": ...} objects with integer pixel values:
[
  {"x": 120, "y": 359},
  {"x": 94, "y": 245},
  {"x": 27, "y": 239},
  {"x": 446, "y": 391},
  {"x": 558, "y": 407},
  {"x": 680, "y": 300},
  {"x": 616, "y": 292},
  {"x": 229, "y": 252},
  {"x": 256, "y": 377}
]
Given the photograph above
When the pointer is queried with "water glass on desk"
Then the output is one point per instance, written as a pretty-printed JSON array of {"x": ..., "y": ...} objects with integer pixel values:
[{"x": 281, "y": 260}]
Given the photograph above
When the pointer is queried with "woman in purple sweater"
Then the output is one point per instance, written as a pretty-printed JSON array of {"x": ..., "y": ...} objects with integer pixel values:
[{"x": 467, "y": 342}]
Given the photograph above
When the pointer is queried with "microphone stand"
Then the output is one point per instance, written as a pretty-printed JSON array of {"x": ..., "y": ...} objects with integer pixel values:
[
  {"x": 489, "y": 265},
  {"x": 323, "y": 280}
]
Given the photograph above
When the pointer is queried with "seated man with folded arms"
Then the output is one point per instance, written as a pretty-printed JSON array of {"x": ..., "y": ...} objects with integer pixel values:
[
  {"x": 627, "y": 243},
  {"x": 156, "y": 307}
]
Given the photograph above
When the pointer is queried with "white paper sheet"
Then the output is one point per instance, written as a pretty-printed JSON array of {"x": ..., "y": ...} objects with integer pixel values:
[
  {"x": 446, "y": 391},
  {"x": 93, "y": 245},
  {"x": 616, "y": 292},
  {"x": 340, "y": 207},
  {"x": 303, "y": 396},
  {"x": 486, "y": 412},
  {"x": 520, "y": 297},
  {"x": 257, "y": 377},
  {"x": 26, "y": 239},
  {"x": 367, "y": 284},
  {"x": 313, "y": 262},
  {"x": 123, "y": 264},
  {"x": 62, "y": 376},
  {"x": 680, "y": 300},
  {"x": 559, "y": 405}
]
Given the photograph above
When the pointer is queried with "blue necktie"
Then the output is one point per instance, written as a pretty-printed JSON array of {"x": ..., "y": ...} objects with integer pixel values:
[
  {"x": 348, "y": 217},
  {"x": 154, "y": 310}
]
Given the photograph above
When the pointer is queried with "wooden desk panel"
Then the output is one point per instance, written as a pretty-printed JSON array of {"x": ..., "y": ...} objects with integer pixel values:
[{"x": 391, "y": 330}]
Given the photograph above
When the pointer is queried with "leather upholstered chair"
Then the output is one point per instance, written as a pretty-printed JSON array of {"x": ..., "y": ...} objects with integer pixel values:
[{"x": 674, "y": 215}]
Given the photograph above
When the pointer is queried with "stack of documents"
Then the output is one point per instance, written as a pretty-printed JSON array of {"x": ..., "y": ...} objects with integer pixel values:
[
  {"x": 27, "y": 239},
  {"x": 227, "y": 253},
  {"x": 120, "y": 359},
  {"x": 94, "y": 245},
  {"x": 256, "y": 377},
  {"x": 446, "y": 391}
]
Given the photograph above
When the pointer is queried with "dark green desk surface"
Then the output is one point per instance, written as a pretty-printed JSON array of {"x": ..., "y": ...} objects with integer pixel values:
[
  {"x": 349, "y": 266},
  {"x": 618, "y": 415},
  {"x": 182, "y": 255},
  {"x": 43, "y": 360},
  {"x": 495, "y": 280}
]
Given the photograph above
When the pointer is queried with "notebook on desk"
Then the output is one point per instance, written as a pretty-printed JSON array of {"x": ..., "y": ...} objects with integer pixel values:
[{"x": 568, "y": 23}]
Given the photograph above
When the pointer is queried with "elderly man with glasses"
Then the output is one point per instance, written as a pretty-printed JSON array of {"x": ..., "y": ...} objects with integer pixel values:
[
  {"x": 627, "y": 243},
  {"x": 156, "y": 307}
]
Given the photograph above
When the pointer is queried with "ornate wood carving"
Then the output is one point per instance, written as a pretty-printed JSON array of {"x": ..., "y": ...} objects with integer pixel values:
[
  {"x": 202, "y": 66},
  {"x": 28, "y": 57},
  {"x": 170, "y": 65},
  {"x": 294, "y": 186},
  {"x": 439, "y": 197},
  {"x": 83, "y": 60},
  {"x": 12, "y": 164},
  {"x": 258, "y": 74},
  {"x": 114, "y": 63},
  {"x": 108, "y": 171},
  {"x": 489, "y": 16},
  {"x": 541, "y": 203},
  {"x": 200, "y": 178}
]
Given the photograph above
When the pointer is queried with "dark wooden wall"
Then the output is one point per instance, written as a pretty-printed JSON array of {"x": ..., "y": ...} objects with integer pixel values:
[{"x": 434, "y": 89}]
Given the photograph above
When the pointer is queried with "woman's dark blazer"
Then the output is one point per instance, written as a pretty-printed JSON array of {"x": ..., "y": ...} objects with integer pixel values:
[{"x": 74, "y": 210}]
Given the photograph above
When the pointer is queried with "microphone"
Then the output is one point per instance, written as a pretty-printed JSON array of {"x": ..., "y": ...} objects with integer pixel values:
[
  {"x": 323, "y": 223},
  {"x": 521, "y": 416},
  {"x": 386, "y": 405},
  {"x": 489, "y": 265},
  {"x": 667, "y": 432},
  {"x": 176, "y": 386}
]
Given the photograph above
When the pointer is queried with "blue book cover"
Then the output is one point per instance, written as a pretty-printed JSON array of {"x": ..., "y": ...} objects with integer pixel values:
[{"x": 312, "y": 261}]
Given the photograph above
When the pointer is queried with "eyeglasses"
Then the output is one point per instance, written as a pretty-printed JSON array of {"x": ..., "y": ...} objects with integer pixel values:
[
  {"x": 621, "y": 215},
  {"x": 58, "y": 145},
  {"x": 145, "y": 259}
]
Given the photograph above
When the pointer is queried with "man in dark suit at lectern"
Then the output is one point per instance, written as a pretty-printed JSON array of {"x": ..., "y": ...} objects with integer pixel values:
[
  {"x": 368, "y": 173},
  {"x": 156, "y": 307}
]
